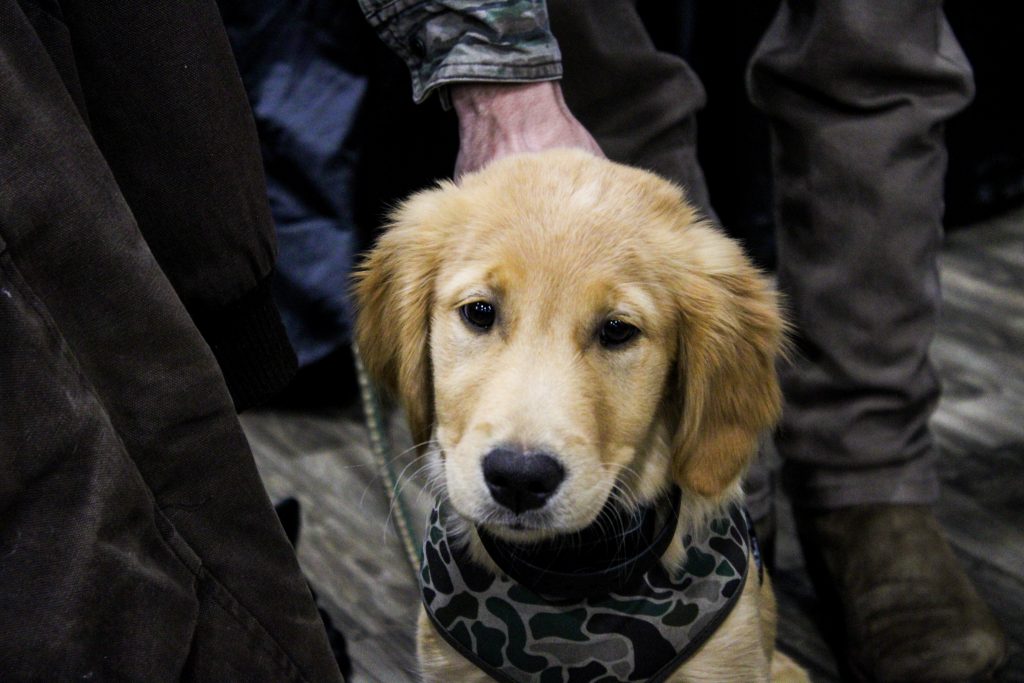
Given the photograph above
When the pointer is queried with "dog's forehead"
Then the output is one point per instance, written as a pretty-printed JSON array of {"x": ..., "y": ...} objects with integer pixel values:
[
  {"x": 547, "y": 276},
  {"x": 567, "y": 252},
  {"x": 561, "y": 238},
  {"x": 562, "y": 225}
]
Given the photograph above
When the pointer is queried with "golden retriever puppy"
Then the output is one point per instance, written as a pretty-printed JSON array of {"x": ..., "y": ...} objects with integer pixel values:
[{"x": 589, "y": 366}]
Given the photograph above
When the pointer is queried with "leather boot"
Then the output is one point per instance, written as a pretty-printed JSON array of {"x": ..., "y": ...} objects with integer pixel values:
[{"x": 901, "y": 607}]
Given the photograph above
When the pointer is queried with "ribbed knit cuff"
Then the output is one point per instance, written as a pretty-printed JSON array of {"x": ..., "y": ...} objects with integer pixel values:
[{"x": 251, "y": 346}]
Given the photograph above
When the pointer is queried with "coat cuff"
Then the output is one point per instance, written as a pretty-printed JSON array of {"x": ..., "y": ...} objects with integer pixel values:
[{"x": 463, "y": 41}]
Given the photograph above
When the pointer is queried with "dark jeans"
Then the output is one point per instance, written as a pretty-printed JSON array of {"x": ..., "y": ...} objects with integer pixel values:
[
  {"x": 856, "y": 92},
  {"x": 136, "y": 539}
]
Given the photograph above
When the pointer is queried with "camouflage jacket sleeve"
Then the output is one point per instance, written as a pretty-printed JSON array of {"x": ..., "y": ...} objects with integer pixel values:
[{"x": 453, "y": 41}]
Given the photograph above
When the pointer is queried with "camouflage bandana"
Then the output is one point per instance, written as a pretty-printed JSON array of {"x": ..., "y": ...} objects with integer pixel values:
[{"x": 643, "y": 633}]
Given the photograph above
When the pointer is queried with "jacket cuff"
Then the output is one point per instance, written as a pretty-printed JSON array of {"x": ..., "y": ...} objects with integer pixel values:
[
  {"x": 251, "y": 346},
  {"x": 464, "y": 41}
]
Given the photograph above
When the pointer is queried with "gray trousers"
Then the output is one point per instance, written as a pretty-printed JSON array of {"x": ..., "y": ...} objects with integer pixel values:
[{"x": 856, "y": 92}]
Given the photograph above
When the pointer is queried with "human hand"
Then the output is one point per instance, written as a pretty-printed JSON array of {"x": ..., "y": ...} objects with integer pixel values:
[{"x": 496, "y": 120}]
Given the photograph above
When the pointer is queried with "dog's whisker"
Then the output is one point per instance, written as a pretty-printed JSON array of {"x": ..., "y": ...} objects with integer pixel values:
[
  {"x": 391, "y": 460},
  {"x": 420, "y": 467},
  {"x": 625, "y": 485},
  {"x": 409, "y": 476},
  {"x": 415, "y": 446},
  {"x": 405, "y": 477},
  {"x": 607, "y": 522},
  {"x": 412, "y": 476},
  {"x": 399, "y": 484}
]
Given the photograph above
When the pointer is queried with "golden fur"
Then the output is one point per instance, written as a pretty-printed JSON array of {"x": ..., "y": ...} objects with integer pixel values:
[{"x": 559, "y": 243}]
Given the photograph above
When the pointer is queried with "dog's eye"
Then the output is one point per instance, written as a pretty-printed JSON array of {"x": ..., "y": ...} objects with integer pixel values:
[
  {"x": 616, "y": 332},
  {"x": 479, "y": 314}
]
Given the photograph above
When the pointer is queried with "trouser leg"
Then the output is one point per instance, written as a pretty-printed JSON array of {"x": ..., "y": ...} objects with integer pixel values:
[
  {"x": 640, "y": 104},
  {"x": 856, "y": 92}
]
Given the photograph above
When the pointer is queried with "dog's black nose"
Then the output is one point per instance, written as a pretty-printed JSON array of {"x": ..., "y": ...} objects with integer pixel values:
[{"x": 521, "y": 481}]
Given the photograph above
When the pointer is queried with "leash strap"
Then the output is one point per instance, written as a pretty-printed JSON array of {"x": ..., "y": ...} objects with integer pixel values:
[{"x": 380, "y": 447}]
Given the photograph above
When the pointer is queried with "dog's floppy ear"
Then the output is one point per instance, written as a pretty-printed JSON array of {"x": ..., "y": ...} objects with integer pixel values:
[
  {"x": 731, "y": 333},
  {"x": 394, "y": 291}
]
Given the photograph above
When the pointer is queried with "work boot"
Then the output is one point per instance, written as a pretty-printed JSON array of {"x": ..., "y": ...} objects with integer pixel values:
[{"x": 900, "y": 606}]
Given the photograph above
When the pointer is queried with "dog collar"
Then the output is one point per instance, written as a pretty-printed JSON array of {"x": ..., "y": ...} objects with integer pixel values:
[
  {"x": 611, "y": 555},
  {"x": 644, "y": 631}
]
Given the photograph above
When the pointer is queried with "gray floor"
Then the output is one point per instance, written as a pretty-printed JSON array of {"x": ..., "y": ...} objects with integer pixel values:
[{"x": 351, "y": 553}]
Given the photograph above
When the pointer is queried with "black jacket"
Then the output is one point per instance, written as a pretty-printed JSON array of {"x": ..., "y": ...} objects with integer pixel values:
[
  {"x": 158, "y": 88},
  {"x": 136, "y": 539}
]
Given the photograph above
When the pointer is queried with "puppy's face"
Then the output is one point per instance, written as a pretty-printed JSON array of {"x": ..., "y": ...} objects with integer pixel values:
[
  {"x": 569, "y": 332},
  {"x": 551, "y": 357}
]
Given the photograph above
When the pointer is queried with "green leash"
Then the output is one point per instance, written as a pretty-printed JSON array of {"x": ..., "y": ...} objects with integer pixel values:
[{"x": 380, "y": 446}]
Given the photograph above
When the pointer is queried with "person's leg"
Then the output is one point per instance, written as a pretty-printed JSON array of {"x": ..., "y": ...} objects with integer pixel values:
[
  {"x": 856, "y": 92},
  {"x": 640, "y": 104}
]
